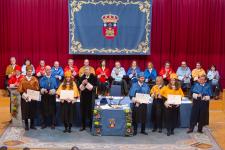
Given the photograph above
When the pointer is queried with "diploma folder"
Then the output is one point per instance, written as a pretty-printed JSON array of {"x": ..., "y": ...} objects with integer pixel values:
[
  {"x": 67, "y": 94},
  {"x": 174, "y": 99}
]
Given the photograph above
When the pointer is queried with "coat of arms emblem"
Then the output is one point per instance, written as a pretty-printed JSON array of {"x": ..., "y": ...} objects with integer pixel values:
[{"x": 110, "y": 29}]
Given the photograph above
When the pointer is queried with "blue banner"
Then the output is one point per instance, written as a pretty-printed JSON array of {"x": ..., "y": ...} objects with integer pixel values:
[{"x": 106, "y": 27}]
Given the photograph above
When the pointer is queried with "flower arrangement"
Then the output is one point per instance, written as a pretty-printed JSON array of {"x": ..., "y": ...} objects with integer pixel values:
[
  {"x": 128, "y": 127},
  {"x": 15, "y": 105},
  {"x": 97, "y": 122}
]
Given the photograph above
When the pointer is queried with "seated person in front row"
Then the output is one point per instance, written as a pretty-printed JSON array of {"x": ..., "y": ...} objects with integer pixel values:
[
  {"x": 150, "y": 74},
  {"x": 197, "y": 72},
  {"x": 213, "y": 76},
  {"x": 40, "y": 70},
  {"x": 165, "y": 72},
  {"x": 10, "y": 70},
  {"x": 82, "y": 69},
  {"x": 72, "y": 68},
  {"x": 27, "y": 62},
  {"x": 139, "y": 109},
  {"x": 67, "y": 105},
  {"x": 48, "y": 86},
  {"x": 15, "y": 80},
  {"x": 103, "y": 75},
  {"x": 171, "y": 111},
  {"x": 57, "y": 72},
  {"x": 117, "y": 74},
  {"x": 133, "y": 72},
  {"x": 200, "y": 109},
  {"x": 184, "y": 76},
  {"x": 157, "y": 105}
]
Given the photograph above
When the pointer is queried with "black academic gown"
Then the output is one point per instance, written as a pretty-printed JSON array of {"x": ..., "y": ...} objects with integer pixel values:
[{"x": 87, "y": 100}]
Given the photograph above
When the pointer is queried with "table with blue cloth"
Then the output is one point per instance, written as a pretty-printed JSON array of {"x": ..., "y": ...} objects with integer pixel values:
[
  {"x": 114, "y": 118},
  {"x": 106, "y": 114}
]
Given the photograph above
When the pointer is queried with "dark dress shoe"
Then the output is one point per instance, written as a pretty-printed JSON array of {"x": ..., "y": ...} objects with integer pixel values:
[
  {"x": 168, "y": 134},
  {"x": 172, "y": 132},
  {"x": 143, "y": 132},
  {"x": 189, "y": 131},
  {"x": 160, "y": 131},
  {"x": 26, "y": 128},
  {"x": 82, "y": 129},
  {"x": 43, "y": 126},
  {"x": 135, "y": 133},
  {"x": 154, "y": 130},
  {"x": 66, "y": 130},
  {"x": 200, "y": 131},
  {"x": 69, "y": 131},
  {"x": 53, "y": 127},
  {"x": 33, "y": 127}
]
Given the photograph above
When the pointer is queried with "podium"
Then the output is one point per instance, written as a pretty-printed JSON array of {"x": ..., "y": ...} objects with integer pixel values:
[{"x": 15, "y": 107}]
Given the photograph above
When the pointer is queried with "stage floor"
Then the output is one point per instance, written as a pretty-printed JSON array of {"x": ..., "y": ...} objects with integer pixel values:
[{"x": 15, "y": 137}]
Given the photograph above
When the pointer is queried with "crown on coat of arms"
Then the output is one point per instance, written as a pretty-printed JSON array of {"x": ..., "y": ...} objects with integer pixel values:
[{"x": 110, "y": 18}]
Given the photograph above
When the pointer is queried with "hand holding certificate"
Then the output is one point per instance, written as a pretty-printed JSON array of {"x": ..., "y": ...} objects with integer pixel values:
[
  {"x": 33, "y": 95},
  {"x": 174, "y": 99},
  {"x": 67, "y": 95},
  {"x": 142, "y": 98}
]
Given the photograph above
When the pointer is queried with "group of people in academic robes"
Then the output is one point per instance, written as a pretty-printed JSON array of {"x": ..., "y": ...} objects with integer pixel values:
[
  {"x": 160, "y": 106},
  {"x": 51, "y": 81}
]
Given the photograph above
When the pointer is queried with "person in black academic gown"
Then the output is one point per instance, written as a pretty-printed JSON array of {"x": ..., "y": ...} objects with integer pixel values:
[
  {"x": 202, "y": 92},
  {"x": 87, "y": 97},
  {"x": 139, "y": 109}
]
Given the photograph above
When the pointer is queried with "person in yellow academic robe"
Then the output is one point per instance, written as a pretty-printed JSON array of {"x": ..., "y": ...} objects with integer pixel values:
[
  {"x": 157, "y": 105},
  {"x": 10, "y": 70},
  {"x": 67, "y": 105},
  {"x": 82, "y": 69},
  {"x": 197, "y": 72},
  {"x": 171, "y": 111}
]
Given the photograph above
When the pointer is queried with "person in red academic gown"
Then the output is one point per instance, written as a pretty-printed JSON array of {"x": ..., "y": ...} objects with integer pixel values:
[
  {"x": 72, "y": 68},
  {"x": 40, "y": 70},
  {"x": 165, "y": 72},
  {"x": 15, "y": 79},
  {"x": 103, "y": 74}
]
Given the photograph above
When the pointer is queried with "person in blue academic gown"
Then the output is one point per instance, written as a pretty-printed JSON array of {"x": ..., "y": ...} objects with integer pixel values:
[
  {"x": 48, "y": 85},
  {"x": 202, "y": 92},
  {"x": 133, "y": 72},
  {"x": 139, "y": 109},
  {"x": 150, "y": 74},
  {"x": 57, "y": 72}
]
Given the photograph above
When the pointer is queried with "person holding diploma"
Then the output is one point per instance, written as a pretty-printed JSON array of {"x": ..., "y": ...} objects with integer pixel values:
[
  {"x": 139, "y": 109},
  {"x": 67, "y": 105},
  {"x": 87, "y": 97},
  {"x": 28, "y": 106},
  {"x": 48, "y": 85},
  {"x": 171, "y": 111},
  {"x": 202, "y": 92},
  {"x": 157, "y": 105}
]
